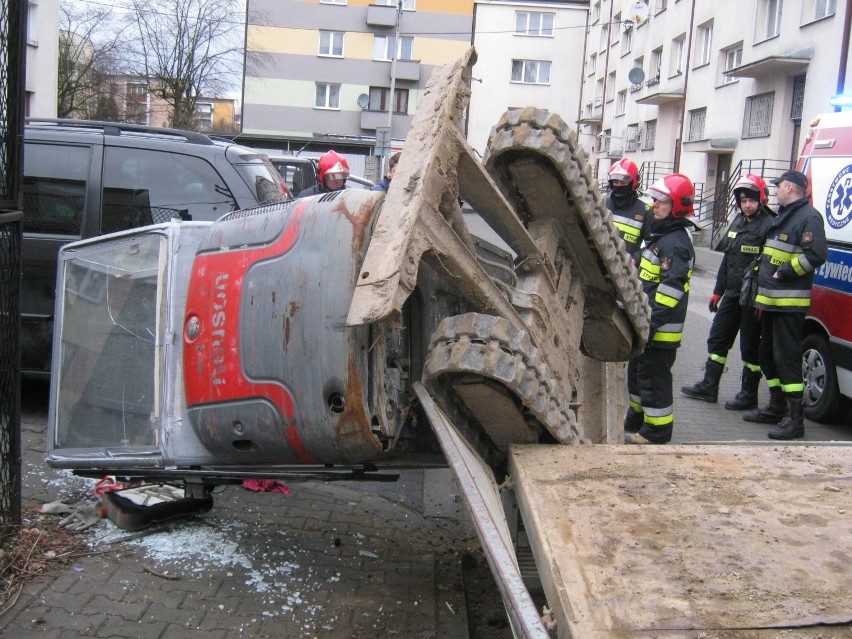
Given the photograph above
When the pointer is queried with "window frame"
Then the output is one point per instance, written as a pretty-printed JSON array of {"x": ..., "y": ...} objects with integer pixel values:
[
  {"x": 383, "y": 94},
  {"x": 541, "y": 32},
  {"x": 539, "y": 64},
  {"x": 649, "y": 137},
  {"x": 329, "y": 86},
  {"x": 748, "y": 112},
  {"x": 694, "y": 122},
  {"x": 407, "y": 40},
  {"x": 738, "y": 60},
  {"x": 704, "y": 44},
  {"x": 331, "y": 43}
]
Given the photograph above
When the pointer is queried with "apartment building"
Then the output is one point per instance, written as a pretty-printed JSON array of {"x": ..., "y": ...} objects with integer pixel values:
[
  {"x": 714, "y": 88},
  {"x": 340, "y": 73},
  {"x": 42, "y": 72},
  {"x": 530, "y": 53}
]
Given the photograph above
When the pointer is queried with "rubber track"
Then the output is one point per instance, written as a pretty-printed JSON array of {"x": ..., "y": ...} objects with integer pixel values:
[
  {"x": 535, "y": 132},
  {"x": 492, "y": 348}
]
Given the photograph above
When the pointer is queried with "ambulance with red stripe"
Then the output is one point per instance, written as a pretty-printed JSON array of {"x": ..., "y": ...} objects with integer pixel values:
[{"x": 827, "y": 360}]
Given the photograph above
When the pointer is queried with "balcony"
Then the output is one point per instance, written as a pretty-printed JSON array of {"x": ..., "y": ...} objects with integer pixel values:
[
  {"x": 408, "y": 70},
  {"x": 381, "y": 16},
  {"x": 662, "y": 97},
  {"x": 635, "y": 87},
  {"x": 773, "y": 66}
]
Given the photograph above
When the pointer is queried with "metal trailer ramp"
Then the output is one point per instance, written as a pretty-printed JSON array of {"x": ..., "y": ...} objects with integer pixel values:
[
  {"x": 699, "y": 542},
  {"x": 691, "y": 541}
]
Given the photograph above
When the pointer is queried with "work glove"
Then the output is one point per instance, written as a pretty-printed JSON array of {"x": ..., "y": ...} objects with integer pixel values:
[
  {"x": 714, "y": 303},
  {"x": 82, "y": 518}
]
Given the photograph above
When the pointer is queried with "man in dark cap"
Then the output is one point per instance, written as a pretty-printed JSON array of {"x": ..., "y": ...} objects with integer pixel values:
[{"x": 795, "y": 247}]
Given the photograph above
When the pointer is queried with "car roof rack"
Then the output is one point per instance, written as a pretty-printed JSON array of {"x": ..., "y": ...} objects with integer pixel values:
[{"x": 116, "y": 128}]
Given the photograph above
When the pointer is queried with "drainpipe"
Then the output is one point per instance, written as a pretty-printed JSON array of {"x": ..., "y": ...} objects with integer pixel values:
[
  {"x": 844, "y": 51},
  {"x": 679, "y": 141},
  {"x": 583, "y": 73}
]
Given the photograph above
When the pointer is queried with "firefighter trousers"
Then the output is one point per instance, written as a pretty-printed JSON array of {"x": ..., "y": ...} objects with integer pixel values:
[
  {"x": 730, "y": 319},
  {"x": 649, "y": 386},
  {"x": 781, "y": 351}
]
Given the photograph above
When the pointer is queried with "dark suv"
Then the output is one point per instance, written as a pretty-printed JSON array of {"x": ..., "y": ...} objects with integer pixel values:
[{"x": 83, "y": 179}]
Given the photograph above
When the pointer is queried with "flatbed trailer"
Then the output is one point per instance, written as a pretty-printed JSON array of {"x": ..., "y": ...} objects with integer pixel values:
[{"x": 697, "y": 541}]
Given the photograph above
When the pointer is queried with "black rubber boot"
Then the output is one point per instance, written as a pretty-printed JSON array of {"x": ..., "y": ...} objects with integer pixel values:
[
  {"x": 707, "y": 390},
  {"x": 633, "y": 422},
  {"x": 793, "y": 424},
  {"x": 773, "y": 412},
  {"x": 746, "y": 399}
]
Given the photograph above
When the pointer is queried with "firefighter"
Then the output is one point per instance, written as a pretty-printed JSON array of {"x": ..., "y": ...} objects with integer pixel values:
[
  {"x": 630, "y": 215},
  {"x": 665, "y": 268},
  {"x": 795, "y": 247},
  {"x": 745, "y": 241},
  {"x": 333, "y": 172}
]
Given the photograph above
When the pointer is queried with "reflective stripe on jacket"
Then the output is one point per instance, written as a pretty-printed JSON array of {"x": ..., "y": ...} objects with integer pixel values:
[
  {"x": 795, "y": 247},
  {"x": 746, "y": 238},
  {"x": 632, "y": 224},
  {"x": 665, "y": 270}
]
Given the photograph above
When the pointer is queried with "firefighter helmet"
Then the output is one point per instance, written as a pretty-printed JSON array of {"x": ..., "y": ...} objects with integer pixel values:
[
  {"x": 333, "y": 165},
  {"x": 625, "y": 169},
  {"x": 679, "y": 190},
  {"x": 755, "y": 185}
]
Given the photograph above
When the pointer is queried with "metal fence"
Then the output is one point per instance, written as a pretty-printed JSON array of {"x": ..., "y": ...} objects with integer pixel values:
[
  {"x": 10, "y": 373},
  {"x": 12, "y": 25}
]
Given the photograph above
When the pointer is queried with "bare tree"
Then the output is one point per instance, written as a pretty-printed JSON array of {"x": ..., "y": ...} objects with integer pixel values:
[
  {"x": 90, "y": 51},
  {"x": 187, "y": 47}
]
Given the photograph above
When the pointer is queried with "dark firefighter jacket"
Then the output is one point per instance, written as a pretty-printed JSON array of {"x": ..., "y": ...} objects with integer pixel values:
[
  {"x": 745, "y": 242},
  {"x": 665, "y": 269},
  {"x": 795, "y": 247},
  {"x": 632, "y": 222}
]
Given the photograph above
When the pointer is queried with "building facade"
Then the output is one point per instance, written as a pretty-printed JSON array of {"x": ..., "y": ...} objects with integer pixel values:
[
  {"x": 712, "y": 89},
  {"x": 530, "y": 53},
  {"x": 321, "y": 73},
  {"x": 42, "y": 73}
]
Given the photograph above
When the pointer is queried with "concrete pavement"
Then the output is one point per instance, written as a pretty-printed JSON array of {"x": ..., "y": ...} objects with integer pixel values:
[{"x": 328, "y": 560}]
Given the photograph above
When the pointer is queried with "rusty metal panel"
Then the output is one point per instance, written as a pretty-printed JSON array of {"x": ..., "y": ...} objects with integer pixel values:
[{"x": 690, "y": 541}]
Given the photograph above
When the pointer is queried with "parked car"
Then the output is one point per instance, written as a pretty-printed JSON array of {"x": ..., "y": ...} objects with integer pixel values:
[
  {"x": 83, "y": 179},
  {"x": 300, "y": 173}
]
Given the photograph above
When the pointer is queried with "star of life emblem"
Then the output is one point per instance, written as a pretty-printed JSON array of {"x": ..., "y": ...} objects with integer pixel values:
[{"x": 838, "y": 202}]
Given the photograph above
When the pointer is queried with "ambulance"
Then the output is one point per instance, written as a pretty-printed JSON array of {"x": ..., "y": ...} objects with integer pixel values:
[{"x": 827, "y": 360}]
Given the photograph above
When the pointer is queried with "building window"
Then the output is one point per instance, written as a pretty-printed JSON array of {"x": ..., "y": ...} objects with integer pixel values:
[
  {"x": 379, "y": 100},
  {"x": 534, "y": 23},
  {"x": 822, "y": 8},
  {"x": 596, "y": 12},
  {"x": 593, "y": 64},
  {"x": 656, "y": 66},
  {"x": 383, "y": 48},
  {"x": 678, "y": 46},
  {"x": 697, "y": 118},
  {"x": 621, "y": 102},
  {"x": 407, "y": 5},
  {"x": 758, "y": 115},
  {"x": 660, "y": 5},
  {"x": 327, "y": 96},
  {"x": 768, "y": 19},
  {"x": 32, "y": 24},
  {"x": 627, "y": 40},
  {"x": 604, "y": 37},
  {"x": 531, "y": 71},
  {"x": 798, "y": 97},
  {"x": 704, "y": 45},
  {"x": 331, "y": 43},
  {"x": 631, "y": 137},
  {"x": 332, "y": 1},
  {"x": 616, "y": 28},
  {"x": 650, "y": 134},
  {"x": 610, "y": 87},
  {"x": 599, "y": 92},
  {"x": 733, "y": 59}
]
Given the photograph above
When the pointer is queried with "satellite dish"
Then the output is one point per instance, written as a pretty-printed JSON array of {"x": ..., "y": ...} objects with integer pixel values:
[
  {"x": 637, "y": 13},
  {"x": 363, "y": 100},
  {"x": 636, "y": 75}
]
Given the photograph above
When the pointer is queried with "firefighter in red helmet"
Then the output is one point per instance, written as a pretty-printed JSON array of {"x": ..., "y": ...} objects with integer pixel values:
[
  {"x": 746, "y": 237},
  {"x": 631, "y": 216},
  {"x": 333, "y": 172},
  {"x": 665, "y": 268}
]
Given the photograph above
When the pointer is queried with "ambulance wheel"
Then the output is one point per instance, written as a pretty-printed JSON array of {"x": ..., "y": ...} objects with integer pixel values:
[{"x": 822, "y": 399}]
